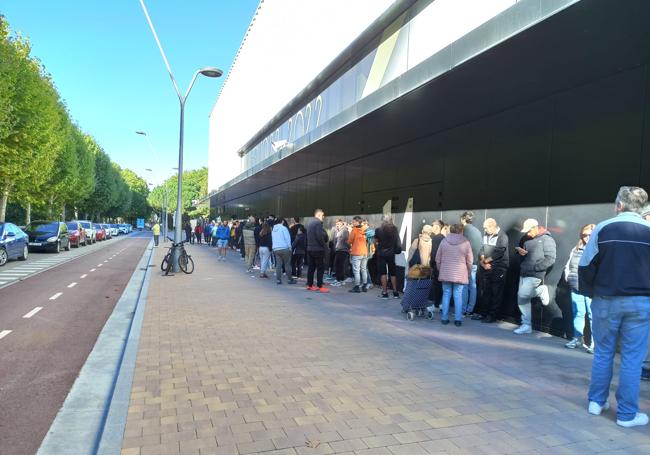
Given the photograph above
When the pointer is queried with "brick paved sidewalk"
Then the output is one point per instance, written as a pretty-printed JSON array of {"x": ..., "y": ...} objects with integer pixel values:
[{"x": 233, "y": 364}]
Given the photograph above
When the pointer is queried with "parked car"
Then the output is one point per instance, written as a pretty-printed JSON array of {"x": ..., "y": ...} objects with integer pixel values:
[
  {"x": 108, "y": 230},
  {"x": 13, "y": 243},
  {"x": 78, "y": 236},
  {"x": 100, "y": 232},
  {"x": 48, "y": 235},
  {"x": 91, "y": 235},
  {"x": 123, "y": 229},
  {"x": 114, "y": 231}
]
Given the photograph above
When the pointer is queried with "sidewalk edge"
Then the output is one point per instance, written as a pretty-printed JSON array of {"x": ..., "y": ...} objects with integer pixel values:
[{"x": 79, "y": 423}]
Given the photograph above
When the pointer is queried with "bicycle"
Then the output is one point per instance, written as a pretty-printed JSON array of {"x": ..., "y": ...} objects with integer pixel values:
[{"x": 185, "y": 262}]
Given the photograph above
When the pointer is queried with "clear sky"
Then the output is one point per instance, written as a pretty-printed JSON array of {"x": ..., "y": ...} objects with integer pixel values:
[{"x": 107, "y": 68}]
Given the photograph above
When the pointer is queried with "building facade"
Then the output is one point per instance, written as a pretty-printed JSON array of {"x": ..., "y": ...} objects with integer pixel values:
[{"x": 513, "y": 109}]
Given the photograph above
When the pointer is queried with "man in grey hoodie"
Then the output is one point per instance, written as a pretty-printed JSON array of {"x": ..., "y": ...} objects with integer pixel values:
[
  {"x": 538, "y": 254},
  {"x": 282, "y": 249}
]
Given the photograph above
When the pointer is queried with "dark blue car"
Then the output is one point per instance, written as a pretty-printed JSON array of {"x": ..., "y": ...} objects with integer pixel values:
[{"x": 13, "y": 243}]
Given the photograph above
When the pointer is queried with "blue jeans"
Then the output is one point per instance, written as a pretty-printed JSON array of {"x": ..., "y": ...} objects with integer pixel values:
[
  {"x": 265, "y": 257},
  {"x": 627, "y": 319},
  {"x": 457, "y": 290},
  {"x": 581, "y": 307},
  {"x": 469, "y": 293},
  {"x": 360, "y": 269}
]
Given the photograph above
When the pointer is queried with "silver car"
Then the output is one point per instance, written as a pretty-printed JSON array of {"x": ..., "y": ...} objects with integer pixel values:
[{"x": 91, "y": 233}]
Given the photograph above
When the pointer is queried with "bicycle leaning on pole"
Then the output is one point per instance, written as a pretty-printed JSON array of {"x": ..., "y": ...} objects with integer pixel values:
[{"x": 185, "y": 262}]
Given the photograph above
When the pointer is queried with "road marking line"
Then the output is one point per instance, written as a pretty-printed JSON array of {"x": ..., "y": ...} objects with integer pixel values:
[
  {"x": 4, "y": 333},
  {"x": 99, "y": 265},
  {"x": 71, "y": 285},
  {"x": 33, "y": 312},
  {"x": 56, "y": 296},
  {"x": 106, "y": 260},
  {"x": 84, "y": 275},
  {"x": 92, "y": 270}
]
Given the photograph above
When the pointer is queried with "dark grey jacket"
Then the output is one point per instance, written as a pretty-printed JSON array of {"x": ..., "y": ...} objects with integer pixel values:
[
  {"x": 541, "y": 256},
  {"x": 316, "y": 236},
  {"x": 475, "y": 238}
]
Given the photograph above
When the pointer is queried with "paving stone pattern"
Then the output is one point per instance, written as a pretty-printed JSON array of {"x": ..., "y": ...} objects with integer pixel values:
[{"x": 232, "y": 364}]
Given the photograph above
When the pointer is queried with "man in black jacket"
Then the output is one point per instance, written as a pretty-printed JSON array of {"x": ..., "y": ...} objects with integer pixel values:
[
  {"x": 316, "y": 241},
  {"x": 494, "y": 261}
]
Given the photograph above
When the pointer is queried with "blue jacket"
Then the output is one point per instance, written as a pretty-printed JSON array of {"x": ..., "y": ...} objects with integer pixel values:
[
  {"x": 616, "y": 260},
  {"x": 281, "y": 237},
  {"x": 223, "y": 232}
]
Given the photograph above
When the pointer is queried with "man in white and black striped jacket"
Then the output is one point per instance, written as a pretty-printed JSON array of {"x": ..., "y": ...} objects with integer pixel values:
[{"x": 615, "y": 271}]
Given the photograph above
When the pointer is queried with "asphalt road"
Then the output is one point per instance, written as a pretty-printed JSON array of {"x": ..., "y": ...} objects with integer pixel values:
[{"x": 49, "y": 323}]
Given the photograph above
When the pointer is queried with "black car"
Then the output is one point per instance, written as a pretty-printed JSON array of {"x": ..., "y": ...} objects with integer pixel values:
[
  {"x": 48, "y": 235},
  {"x": 13, "y": 243}
]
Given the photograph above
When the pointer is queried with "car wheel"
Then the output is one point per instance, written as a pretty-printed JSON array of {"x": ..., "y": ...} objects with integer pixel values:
[
  {"x": 3, "y": 256},
  {"x": 25, "y": 253},
  {"x": 67, "y": 245},
  {"x": 57, "y": 247}
]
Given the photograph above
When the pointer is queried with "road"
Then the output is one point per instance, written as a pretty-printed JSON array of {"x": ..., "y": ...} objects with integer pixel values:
[{"x": 49, "y": 323}]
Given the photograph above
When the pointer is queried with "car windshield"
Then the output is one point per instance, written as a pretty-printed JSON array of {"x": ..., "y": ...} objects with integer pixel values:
[
  {"x": 43, "y": 227},
  {"x": 85, "y": 225},
  {"x": 98, "y": 226},
  {"x": 72, "y": 226}
]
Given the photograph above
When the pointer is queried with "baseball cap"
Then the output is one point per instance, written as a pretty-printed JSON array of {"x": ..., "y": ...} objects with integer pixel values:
[{"x": 529, "y": 224}]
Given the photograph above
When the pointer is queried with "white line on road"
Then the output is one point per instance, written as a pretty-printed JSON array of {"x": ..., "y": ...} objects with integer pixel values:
[
  {"x": 56, "y": 296},
  {"x": 106, "y": 260},
  {"x": 71, "y": 285},
  {"x": 4, "y": 333},
  {"x": 33, "y": 312},
  {"x": 99, "y": 265},
  {"x": 84, "y": 275},
  {"x": 92, "y": 270}
]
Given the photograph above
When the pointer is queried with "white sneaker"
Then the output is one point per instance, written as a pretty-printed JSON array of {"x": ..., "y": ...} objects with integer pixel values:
[
  {"x": 596, "y": 409},
  {"x": 639, "y": 419},
  {"x": 544, "y": 297},
  {"x": 336, "y": 283},
  {"x": 523, "y": 328},
  {"x": 349, "y": 280},
  {"x": 369, "y": 286}
]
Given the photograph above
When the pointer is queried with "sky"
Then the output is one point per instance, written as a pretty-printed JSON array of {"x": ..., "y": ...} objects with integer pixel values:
[{"x": 107, "y": 68}]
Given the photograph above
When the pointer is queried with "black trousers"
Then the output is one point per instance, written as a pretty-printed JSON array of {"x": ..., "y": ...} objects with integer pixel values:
[
  {"x": 317, "y": 264},
  {"x": 296, "y": 264},
  {"x": 493, "y": 283},
  {"x": 340, "y": 258}
]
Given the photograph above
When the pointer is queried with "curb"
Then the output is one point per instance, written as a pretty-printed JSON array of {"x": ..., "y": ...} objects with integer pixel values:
[{"x": 79, "y": 426}]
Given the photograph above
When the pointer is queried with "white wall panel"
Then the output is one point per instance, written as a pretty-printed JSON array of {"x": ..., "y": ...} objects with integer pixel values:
[{"x": 288, "y": 43}]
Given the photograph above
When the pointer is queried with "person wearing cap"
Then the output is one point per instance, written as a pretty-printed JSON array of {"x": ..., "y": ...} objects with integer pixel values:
[
  {"x": 614, "y": 272},
  {"x": 538, "y": 254}
]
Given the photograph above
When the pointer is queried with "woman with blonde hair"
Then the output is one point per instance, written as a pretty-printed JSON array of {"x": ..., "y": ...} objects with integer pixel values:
[{"x": 581, "y": 303}]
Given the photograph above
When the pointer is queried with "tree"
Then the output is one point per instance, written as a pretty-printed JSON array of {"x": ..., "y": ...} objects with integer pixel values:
[{"x": 139, "y": 192}]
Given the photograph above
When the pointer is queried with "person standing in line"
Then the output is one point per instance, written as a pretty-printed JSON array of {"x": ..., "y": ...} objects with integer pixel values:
[
  {"x": 581, "y": 304},
  {"x": 454, "y": 261},
  {"x": 282, "y": 250},
  {"x": 266, "y": 245},
  {"x": 341, "y": 251},
  {"x": 207, "y": 231},
  {"x": 388, "y": 245},
  {"x": 359, "y": 255},
  {"x": 473, "y": 235},
  {"x": 248, "y": 235},
  {"x": 437, "y": 236},
  {"x": 538, "y": 255},
  {"x": 198, "y": 231},
  {"x": 156, "y": 233},
  {"x": 420, "y": 251},
  {"x": 645, "y": 371},
  {"x": 188, "y": 232},
  {"x": 316, "y": 243},
  {"x": 223, "y": 234},
  {"x": 494, "y": 260},
  {"x": 370, "y": 248},
  {"x": 299, "y": 249},
  {"x": 614, "y": 272},
  {"x": 295, "y": 227}
]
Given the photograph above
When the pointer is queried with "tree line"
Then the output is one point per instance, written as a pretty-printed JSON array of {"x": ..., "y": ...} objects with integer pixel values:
[
  {"x": 49, "y": 168},
  {"x": 195, "y": 186}
]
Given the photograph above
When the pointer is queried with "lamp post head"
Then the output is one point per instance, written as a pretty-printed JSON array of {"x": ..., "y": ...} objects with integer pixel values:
[
  {"x": 141, "y": 133},
  {"x": 211, "y": 71}
]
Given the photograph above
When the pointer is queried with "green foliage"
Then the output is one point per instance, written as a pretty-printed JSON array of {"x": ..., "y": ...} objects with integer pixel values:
[
  {"x": 47, "y": 162},
  {"x": 195, "y": 186}
]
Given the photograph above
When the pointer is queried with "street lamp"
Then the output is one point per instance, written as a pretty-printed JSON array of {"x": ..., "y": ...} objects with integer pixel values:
[{"x": 208, "y": 71}]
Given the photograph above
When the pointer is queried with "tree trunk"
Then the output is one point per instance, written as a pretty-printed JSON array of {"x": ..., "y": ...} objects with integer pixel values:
[
  {"x": 28, "y": 213},
  {"x": 49, "y": 208},
  {"x": 3, "y": 205},
  {"x": 63, "y": 210}
]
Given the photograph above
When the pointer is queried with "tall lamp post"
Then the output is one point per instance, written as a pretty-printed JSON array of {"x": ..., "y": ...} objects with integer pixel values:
[{"x": 208, "y": 71}]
